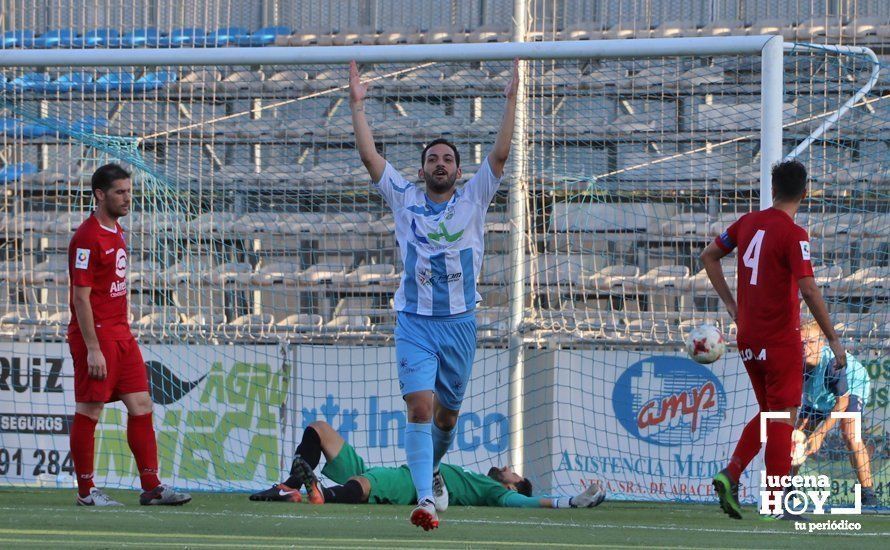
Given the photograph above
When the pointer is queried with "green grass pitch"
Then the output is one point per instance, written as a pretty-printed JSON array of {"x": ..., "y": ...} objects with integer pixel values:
[{"x": 44, "y": 518}]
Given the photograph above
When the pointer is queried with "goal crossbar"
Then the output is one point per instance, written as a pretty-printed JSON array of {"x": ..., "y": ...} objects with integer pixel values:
[{"x": 414, "y": 53}]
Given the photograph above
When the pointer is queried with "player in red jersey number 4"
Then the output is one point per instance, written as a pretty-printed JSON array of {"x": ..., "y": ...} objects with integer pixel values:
[
  {"x": 108, "y": 365},
  {"x": 773, "y": 264}
]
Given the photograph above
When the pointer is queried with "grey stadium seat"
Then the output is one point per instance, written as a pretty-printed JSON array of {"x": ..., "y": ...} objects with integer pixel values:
[
  {"x": 589, "y": 30},
  {"x": 627, "y": 29},
  {"x": 198, "y": 82},
  {"x": 227, "y": 273},
  {"x": 690, "y": 223},
  {"x": 444, "y": 35},
  {"x": 382, "y": 274},
  {"x": 700, "y": 76},
  {"x": 241, "y": 81},
  {"x": 216, "y": 223},
  {"x": 614, "y": 278},
  {"x": 773, "y": 26},
  {"x": 323, "y": 271},
  {"x": 350, "y": 322},
  {"x": 866, "y": 281},
  {"x": 284, "y": 271},
  {"x": 288, "y": 81},
  {"x": 675, "y": 28},
  {"x": 299, "y": 322},
  {"x": 724, "y": 27},
  {"x": 663, "y": 277}
]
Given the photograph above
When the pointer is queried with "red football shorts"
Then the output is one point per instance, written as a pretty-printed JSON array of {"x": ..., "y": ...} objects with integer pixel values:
[
  {"x": 124, "y": 365},
  {"x": 776, "y": 374}
]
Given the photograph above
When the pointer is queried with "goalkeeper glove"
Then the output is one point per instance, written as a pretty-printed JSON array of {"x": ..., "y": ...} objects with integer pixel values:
[{"x": 594, "y": 495}]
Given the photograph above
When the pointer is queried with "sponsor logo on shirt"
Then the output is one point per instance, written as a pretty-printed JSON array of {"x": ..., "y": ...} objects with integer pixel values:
[
  {"x": 120, "y": 263},
  {"x": 82, "y": 258},
  {"x": 437, "y": 236},
  {"x": 118, "y": 288},
  {"x": 404, "y": 367},
  {"x": 805, "y": 250},
  {"x": 109, "y": 251},
  {"x": 444, "y": 234},
  {"x": 426, "y": 278}
]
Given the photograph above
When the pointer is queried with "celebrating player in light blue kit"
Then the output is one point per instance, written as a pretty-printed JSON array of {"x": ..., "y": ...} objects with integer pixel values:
[
  {"x": 440, "y": 233},
  {"x": 827, "y": 390}
]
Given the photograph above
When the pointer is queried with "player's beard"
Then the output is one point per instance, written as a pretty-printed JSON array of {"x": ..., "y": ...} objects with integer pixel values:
[
  {"x": 119, "y": 211},
  {"x": 436, "y": 185}
]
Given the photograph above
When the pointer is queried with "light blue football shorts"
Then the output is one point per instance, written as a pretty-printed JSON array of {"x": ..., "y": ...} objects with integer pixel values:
[{"x": 436, "y": 353}]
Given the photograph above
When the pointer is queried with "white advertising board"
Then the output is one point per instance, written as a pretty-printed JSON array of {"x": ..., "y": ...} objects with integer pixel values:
[
  {"x": 356, "y": 390},
  {"x": 219, "y": 417},
  {"x": 649, "y": 426}
]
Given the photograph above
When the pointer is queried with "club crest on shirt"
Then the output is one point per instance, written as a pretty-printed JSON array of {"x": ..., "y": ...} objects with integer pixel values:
[{"x": 120, "y": 263}]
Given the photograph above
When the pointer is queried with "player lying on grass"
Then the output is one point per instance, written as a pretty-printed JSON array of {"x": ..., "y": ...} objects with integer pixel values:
[
  {"x": 826, "y": 390},
  {"x": 391, "y": 485}
]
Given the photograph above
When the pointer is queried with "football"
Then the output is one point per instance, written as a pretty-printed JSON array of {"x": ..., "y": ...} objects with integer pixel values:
[{"x": 705, "y": 344}]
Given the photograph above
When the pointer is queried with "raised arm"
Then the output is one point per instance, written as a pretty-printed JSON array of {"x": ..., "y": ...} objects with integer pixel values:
[
  {"x": 498, "y": 156},
  {"x": 813, "y": 297},
  {"x": 710, "y": 258},
  {"x": 364, "y": 140}
]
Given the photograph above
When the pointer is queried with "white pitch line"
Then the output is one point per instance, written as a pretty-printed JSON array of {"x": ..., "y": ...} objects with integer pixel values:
[
  {"x": 539, "y": 523},
  {"x": 155, "y": 544}
]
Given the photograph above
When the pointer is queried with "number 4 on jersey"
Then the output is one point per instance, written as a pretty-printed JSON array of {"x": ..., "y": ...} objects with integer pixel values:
[{"x": 752, "y": 254}]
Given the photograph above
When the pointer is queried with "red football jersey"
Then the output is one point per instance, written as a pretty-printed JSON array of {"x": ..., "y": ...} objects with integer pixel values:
[
  {"x": 774, "y": 253},
  {"x": 97, "y": 258}
]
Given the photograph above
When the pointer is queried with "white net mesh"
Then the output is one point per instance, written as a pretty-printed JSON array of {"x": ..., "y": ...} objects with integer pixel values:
[{"x": 262, "y": 264}]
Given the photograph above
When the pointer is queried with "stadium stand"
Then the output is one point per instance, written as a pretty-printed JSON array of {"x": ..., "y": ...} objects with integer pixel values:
[
  {"x": 220, "y": 37},
  {"x": 608, "y": 229}
]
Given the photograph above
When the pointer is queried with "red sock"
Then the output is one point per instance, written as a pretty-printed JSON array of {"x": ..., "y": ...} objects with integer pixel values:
[
  {"x": 83, "y": 431},
  {"x": 745, "y": 450},
  {"x": 141, "y": 437},
  {"x": 778, "y": 448}
]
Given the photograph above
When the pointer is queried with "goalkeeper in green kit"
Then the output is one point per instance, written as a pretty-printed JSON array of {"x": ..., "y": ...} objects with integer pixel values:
[{"x": 358, "y": 483}]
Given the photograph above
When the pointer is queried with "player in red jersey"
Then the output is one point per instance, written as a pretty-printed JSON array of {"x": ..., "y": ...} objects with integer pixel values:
[
  {"x": 773, "y": 265},
  {"x": 108, "y": 365}
]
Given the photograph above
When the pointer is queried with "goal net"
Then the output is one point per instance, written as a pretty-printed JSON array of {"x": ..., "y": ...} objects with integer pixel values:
[{"x": 262, "y": 264}]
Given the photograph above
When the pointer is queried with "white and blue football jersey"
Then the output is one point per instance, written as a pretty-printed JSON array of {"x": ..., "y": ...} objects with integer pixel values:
[{"x": 441, "y": 246}]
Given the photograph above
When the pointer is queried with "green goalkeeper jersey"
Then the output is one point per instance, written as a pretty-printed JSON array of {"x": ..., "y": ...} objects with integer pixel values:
[{"x": 466, "y": 488}]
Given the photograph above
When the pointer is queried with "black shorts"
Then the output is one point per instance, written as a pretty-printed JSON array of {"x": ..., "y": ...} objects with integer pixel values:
[{"x": 814, "y": 417}]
